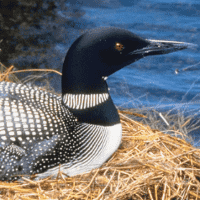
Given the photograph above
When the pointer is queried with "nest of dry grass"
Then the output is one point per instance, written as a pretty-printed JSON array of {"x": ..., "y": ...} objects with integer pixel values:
[{"x": 148, "y": 165}]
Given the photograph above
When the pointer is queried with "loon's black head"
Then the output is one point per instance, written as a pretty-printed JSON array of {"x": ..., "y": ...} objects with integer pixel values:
[{"x": 102, "y": 51}]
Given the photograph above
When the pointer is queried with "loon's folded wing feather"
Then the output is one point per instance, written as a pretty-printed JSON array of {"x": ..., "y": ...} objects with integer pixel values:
[
  {"x": 41, "y": 156},
  {"x": 28, "y": 115},
  {"x": 30, "y": 119}
]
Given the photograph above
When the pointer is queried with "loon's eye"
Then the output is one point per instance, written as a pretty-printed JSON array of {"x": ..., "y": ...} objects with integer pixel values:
[{"x": 119, "y": 46}]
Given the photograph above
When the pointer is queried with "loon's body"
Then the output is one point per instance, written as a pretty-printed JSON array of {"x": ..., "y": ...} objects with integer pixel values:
[{"x": 41, "y": 133}]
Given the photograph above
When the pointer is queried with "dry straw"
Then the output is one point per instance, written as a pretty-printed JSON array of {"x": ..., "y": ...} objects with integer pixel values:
[{"x": 149, "y": 165}]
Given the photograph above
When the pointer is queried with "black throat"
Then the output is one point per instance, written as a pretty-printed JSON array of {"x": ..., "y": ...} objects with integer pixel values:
[{"x": 104, "y": 114}]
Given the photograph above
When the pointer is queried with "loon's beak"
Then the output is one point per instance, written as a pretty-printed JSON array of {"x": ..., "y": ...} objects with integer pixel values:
[{"x": 157, "y": 47}]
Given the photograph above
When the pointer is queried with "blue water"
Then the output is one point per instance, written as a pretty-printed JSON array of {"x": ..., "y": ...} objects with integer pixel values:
[{"x": 152, "y": 81}]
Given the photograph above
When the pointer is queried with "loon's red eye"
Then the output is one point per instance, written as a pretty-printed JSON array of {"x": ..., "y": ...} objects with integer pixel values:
[{"x": 119, "y": 46}]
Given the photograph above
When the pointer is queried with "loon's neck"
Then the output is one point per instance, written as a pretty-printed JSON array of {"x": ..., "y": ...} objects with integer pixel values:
[
  {"x": 91, "y": 104},
  {"x": 85, "y": 92},
  {"x": 104, "y": 113},
  {"x": 97, "y": 109}
]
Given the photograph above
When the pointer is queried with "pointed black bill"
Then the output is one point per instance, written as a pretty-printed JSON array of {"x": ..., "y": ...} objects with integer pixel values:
[{"x": 157, "y": 47}]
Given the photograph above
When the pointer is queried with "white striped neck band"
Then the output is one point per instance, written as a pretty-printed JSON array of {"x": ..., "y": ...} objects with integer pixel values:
[{"x": 84, "y": 101}]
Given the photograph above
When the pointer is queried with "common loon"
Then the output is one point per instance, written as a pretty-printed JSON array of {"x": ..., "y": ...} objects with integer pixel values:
[{"x": 41, "y": 133}]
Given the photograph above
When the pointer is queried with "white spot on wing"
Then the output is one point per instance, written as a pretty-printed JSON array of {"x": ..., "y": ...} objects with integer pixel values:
[
  {"x": 2, "y": 132},
  {"x": 4, "y": 138},
  {"x": 12, "y": 138}
]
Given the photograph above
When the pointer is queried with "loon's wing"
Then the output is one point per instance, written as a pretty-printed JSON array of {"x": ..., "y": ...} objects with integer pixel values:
[{"x": 32, "y": 122}]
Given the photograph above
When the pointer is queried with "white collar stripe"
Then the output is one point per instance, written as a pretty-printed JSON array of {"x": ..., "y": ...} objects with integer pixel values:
[{"x": 83, "y": 101}]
